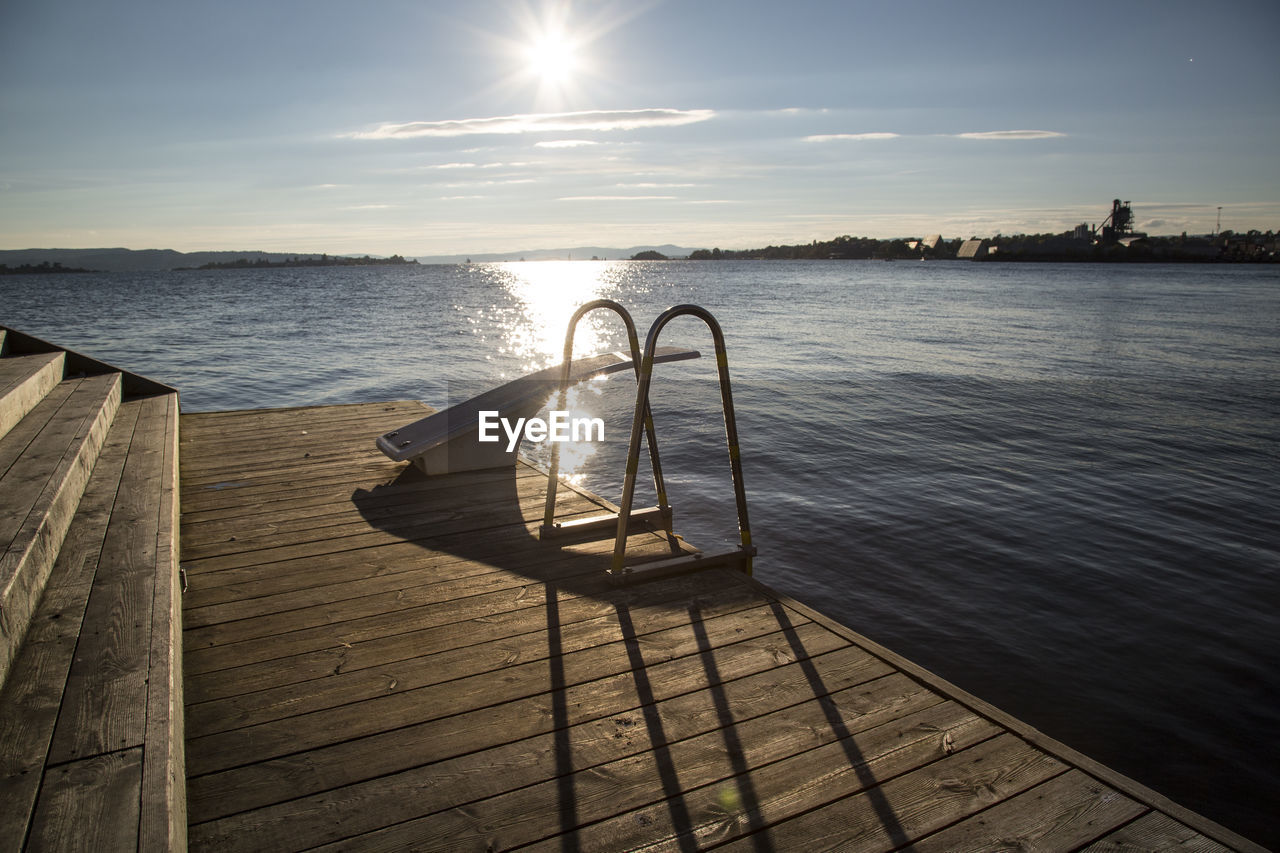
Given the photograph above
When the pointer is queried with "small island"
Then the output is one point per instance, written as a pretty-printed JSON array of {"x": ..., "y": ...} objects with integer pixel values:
[
  {"x": 304, "y": 261},
  {"x": 44, "y": 268}
]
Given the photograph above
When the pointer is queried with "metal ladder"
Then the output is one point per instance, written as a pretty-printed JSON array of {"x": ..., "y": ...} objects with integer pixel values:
[
  {"x": 740, "y": 557},
  {"x": 662, "y": 512}
]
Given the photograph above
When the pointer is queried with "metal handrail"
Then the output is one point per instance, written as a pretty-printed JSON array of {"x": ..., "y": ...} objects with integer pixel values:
[
  {"x": 633, "y": 340},
  {"x": 642, "y": 417}
]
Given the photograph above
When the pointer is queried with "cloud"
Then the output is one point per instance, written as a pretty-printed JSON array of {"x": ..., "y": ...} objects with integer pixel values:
[
  {"x": 617, "y": 198},
  {"x": 601, "y": 120},
  {"x": 565, "y": 143},
  {"x": 1011, "y": 134},
  {"x": 855, "y": 137}
]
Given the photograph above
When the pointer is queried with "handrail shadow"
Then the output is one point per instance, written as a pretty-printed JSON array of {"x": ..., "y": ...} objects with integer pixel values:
[
  {"x": 857, "y": 761},
  {"x": 490, "y": 518}
]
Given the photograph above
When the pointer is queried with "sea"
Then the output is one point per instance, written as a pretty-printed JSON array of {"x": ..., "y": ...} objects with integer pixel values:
[{"x": 1055, "y": 485}]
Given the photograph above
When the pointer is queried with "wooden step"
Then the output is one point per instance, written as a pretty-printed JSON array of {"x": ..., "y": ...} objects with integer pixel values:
[
  {"x": 45, "y": 461},
  {"x": 24, "y": 381},
  {"x": 91, "y": 746}
]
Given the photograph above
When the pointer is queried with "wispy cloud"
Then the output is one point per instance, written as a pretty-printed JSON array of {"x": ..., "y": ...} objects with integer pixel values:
[
  {"x": 507, "y": 182},
  {"x": 984, "y": 135},
  {"x": 617, "y": 198},
  {"x": 1011, "y": 134},
  {"x": 599, "y": 120},
  {"x": 854, "y": 137},
  {"x": 565, "y": 143}
]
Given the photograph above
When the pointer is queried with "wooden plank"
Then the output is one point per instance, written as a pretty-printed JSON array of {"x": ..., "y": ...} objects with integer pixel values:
[
  {"x": 465, "y": 659},
  {"x": 355, "y": 577},
  {"x": 1155, "y": 832},
  {"x": 1064, "y": 813},
  {"x": 605, "y": 720},
  {"x": 15, "y": 442},
  {"x": 228, "y": 488},
  {"x": 90, "y": 805},
  {"x": 26, "y": 486},
  {"x": 253, "y": 580},
  {"x": 393, "y": 709},
  {"x": 199, "y": 426},
  {"x": 1056, "y": 748},
  {"x": 618, "y": 805},
  {"x": 513, "y": 791},
  {"x": 54, "y": 469},
  {"x": 405, "y": 516},
  {"x": 104, "y": 708},
  {"x": 376, "y": 651},
  {"x": 360, "y": 534},
  {"x": 163, "y": 821},
  {"x": 464, "y": 613},
  {"x": 418, "y": 670},
  {"x": 259, "y": 642},
  {"x": 231, "y": 495},
  {"x": 263, "y": 445},
  {"x": 257, "y": 590},
  {"x": 397, "y": 485},
  {"x": 839, "y": 808},
  {"x": 32, "y": 695},
  {"x": 224, "y": 644},
  {"x": 320, "y": 499},
  {"x": 24, "y": 382}
]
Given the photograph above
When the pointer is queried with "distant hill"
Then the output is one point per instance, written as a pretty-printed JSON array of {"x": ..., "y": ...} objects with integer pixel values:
[
  {"x": 161, "y": 260},
  {"x": 140, "y": 260},
  {"x": 577, "y": 253}
]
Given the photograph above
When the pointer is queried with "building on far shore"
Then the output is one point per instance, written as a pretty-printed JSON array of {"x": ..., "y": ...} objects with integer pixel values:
[{"x": 971, "y": 250}]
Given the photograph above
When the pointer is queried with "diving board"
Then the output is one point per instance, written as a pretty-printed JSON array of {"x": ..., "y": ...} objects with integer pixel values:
[{"x": 448, "y": 441}]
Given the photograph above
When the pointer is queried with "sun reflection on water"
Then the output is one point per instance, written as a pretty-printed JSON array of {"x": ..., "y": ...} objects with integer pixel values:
[
  {"x": 548, "y": 293},
  {"x": 542, "y": 297}
]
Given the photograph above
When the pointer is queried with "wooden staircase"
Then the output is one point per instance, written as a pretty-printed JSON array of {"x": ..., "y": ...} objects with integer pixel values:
[{"x": 91, "y": 750}]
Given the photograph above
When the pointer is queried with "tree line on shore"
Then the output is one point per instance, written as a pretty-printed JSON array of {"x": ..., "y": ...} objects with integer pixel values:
[
  {"x": 37, "y": 269},
  {"x": 1253, "y": 246},
  {"x": 312, "y": 261}
]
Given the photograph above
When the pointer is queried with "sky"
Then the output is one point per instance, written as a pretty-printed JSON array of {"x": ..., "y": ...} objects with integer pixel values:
[{"x": 420, "y": 128}]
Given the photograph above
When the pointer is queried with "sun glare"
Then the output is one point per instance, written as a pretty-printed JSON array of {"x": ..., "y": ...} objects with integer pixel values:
[
  {"x": 548, "y": 293},
  {"x": 552, "y": 58}
]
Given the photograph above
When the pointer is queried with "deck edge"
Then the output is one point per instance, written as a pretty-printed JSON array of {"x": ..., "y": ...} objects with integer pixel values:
[
  {"x": 163, "y": 819},
  {"x": 1056, "y": 748}
]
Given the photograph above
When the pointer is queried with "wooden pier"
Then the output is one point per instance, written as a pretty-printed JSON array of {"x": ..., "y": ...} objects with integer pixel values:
[{"x": 374, "y": 659}]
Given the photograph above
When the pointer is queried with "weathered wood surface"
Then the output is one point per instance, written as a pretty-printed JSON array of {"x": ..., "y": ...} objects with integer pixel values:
[
  {"x": 89, "y": 759},
  {"x": 41, "y": 482},
  {"x": 24, "y": 382},
  {"x": 377, "y": 660}
]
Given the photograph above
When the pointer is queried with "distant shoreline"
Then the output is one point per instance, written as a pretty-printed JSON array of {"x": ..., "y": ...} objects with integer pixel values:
[
  {"x": 44, "y": 268},
  {"x": 1224, "y": 247},
  {"x": 322, "y": 261}
]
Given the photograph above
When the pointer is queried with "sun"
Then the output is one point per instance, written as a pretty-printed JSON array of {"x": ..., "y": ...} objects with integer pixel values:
[
  {"x": 552, "y": 58},
  {"x": 551, "y": 52}
]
